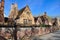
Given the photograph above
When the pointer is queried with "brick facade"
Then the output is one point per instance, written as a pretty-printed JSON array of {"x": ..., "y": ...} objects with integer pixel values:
[{"x": 2, "y": 11}]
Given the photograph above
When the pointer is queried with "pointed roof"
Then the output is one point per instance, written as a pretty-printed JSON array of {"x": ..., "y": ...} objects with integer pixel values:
[{"x": 20, "y": 11}]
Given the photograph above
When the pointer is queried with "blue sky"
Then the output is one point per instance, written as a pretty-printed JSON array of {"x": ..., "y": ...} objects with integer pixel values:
[{"x": 37, "y": 7}]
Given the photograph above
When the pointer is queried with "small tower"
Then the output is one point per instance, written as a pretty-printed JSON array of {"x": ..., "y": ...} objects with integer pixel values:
[
  {"x": 2, "y": 11},
  {"x": 13, "y": 11}
]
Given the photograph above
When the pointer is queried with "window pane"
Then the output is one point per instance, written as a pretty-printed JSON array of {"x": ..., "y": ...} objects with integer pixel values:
[{"x": 25, "y": 21}]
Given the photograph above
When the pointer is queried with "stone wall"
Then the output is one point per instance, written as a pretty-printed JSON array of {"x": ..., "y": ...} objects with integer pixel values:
[{"x": 36, "y": 31}]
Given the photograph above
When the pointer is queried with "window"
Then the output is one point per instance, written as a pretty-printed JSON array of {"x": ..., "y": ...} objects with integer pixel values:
[{"x": 25, "y": 21}]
